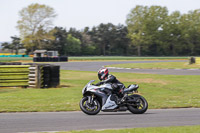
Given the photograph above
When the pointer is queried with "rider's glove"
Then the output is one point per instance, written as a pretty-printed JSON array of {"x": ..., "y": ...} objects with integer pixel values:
[
  {"x": 100, "y": 83},
  {"x": 97, "y": 84}
]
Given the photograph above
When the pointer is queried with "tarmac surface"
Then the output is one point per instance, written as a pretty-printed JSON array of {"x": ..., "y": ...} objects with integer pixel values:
[
  {"x": 95, "y": 66},
  {"x": 64, "y": 121}
]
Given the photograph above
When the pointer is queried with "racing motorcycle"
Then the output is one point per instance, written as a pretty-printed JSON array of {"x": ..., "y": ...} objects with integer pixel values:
[{"x": 96, "y": 98}]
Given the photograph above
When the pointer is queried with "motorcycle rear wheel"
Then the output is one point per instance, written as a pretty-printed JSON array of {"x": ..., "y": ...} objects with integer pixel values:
[
  {"x": 90, "y": 109},
  {"x": 139, "y": 108}
]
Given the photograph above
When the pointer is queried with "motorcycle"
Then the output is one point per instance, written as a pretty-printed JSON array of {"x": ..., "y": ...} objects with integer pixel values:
[{"x": 102, "y": 98}]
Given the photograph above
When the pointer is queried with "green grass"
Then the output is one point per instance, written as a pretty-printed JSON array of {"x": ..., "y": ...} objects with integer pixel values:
[
  {"x": 93, "y": 58},
  {"x": 178, "y": 129},
  {"x": 158, "y": 65},
  {"x": 161, "y": 91},
  {"x": 11, "y": 59}
]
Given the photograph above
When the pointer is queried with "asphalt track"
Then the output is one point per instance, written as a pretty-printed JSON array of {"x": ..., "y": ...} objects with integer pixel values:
[
  {"x": 95, "y": 66},
  {"x": 63, "y": 121}
]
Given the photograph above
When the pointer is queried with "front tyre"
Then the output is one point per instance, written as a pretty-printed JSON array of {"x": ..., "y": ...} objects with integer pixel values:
[
  {"x": 88, "y": 108},
  {"x": 139, "y": 106}
]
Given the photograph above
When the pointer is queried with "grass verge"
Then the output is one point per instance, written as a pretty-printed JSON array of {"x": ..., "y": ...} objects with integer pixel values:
[
  {"x": 161, "y": 91},
  {"x": 18, "y": 59},
  {"x": 100, "y": 58},
  {"x": 178, "y": 129},
  {"x": 158, "y": 65}
]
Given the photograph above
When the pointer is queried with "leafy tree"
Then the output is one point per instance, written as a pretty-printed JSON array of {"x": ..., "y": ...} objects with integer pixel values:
[
  {"x": 144, "y": 25},
  {"x": 7, "y": 45},
  {"x": 72, "y": 46},
  {"x": 120, "y": 41},
  {"x": 190, "y": 32},
  {"x": 136, "y": 27},
  {"x": 87, "y": 47},
  {"x": 15, "y": 45},
  {"x": 45, "y": 39},
  {"x": 102, "y": 36},
  {"x": 171, "y": 35},
  {"x": 32, "y": 19},
  {"x": 60, "y": 35},
  {"x": 75, "y": 33}
]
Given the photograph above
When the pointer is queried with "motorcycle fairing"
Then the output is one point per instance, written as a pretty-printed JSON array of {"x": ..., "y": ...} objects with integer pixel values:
[{"x": 109, "y": 105}]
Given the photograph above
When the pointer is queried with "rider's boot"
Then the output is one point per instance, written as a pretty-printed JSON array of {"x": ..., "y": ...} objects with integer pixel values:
[{"x": 120, "y": 97}]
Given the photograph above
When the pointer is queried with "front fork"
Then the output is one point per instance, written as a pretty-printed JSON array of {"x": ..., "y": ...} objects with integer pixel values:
[{"x": 90, "y": 99}]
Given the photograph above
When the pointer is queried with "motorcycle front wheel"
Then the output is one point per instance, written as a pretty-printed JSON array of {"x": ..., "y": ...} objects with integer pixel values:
[
  {"x": 88, "y": 108},
  {"x": 138, "y": 107}
]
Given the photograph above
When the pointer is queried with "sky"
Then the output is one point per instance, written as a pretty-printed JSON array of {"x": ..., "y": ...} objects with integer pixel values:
[{"x": 81, "y": 13}]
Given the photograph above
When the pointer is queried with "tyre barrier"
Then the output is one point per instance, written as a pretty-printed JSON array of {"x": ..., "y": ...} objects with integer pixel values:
[
  {"x": 42, "y": 76},
  {"x": 29, "y": 75},
  {"x": 50, "y": 59},
  {"x": 192, "y": 60}
]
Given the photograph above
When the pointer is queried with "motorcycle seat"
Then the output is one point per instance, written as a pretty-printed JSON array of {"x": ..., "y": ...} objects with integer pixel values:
[{"x": 131, "y": 88}]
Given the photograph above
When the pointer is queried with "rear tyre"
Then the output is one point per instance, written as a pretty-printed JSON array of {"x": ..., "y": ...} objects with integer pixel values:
[
  {"x": 140, "y": 105},
  {"x": 90, "y": 109}
]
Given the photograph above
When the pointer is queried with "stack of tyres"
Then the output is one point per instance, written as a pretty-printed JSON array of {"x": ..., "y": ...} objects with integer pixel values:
[
  {"x": 63, "y": 58},
  {"x": 42, "y": 59},
  {"x": 51, "y": 76},
  {"x": 46, "y": 74},
  {"x": 34, "y": 59},
  {"x": 55, "y": 59},
  {"x": 50, "y": 59},
  {"x": 55, "y": 76}
]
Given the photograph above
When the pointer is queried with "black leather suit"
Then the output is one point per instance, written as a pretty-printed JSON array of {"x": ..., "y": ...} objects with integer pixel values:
[{"x": 116, "y": 84}]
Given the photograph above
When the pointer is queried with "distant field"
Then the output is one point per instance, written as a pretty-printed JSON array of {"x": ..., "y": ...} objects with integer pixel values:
[
  {"x": 124, "y": 58},
  {"x": 159, "y": 65},
  {"x": 95, "y": 58}
]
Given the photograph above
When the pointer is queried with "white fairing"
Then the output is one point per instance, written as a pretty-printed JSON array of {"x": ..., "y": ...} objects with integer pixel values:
[
  {"x": 90, "y": 87},
  {"x": 109, "y": 104}
]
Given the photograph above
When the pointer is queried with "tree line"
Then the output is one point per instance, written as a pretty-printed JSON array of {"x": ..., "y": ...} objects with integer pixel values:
[{"x": 149, "y": 31}]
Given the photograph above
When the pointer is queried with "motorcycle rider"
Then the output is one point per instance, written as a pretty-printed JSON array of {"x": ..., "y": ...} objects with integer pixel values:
[{"x": 105, "y": 77}]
